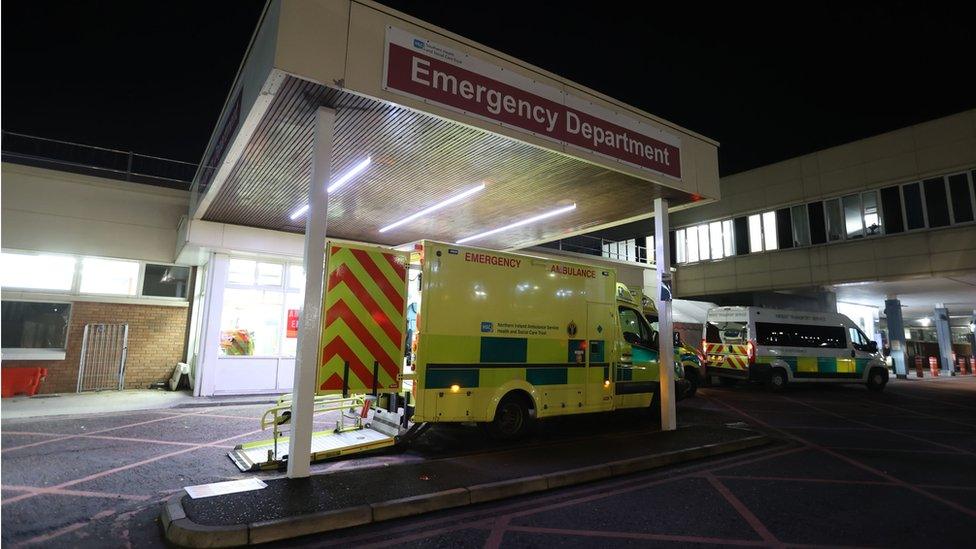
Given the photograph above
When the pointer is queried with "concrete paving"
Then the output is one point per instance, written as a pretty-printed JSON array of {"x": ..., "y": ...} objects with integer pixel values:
[
  {"x": 852, "y": 468},
  {"x": 113, "y": 402}
]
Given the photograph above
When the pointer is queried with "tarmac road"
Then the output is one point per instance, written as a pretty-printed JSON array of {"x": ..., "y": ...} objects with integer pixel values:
[{"x": 851, "y": 468}]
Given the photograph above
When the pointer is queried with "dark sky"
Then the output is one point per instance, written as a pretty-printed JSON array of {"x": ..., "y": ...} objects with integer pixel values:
[{"x": 768, "y": 81}]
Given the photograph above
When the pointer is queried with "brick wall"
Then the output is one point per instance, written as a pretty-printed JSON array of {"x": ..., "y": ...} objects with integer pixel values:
[{"x": 156, "y": 343}]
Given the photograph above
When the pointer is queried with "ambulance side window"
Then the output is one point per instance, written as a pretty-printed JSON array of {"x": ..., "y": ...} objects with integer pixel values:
[
  {"x": 858, "y": 339},
  {"x": 635, "y": 329}
]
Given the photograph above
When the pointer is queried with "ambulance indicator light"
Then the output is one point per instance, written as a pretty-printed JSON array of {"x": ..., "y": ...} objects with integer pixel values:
[{"x": 455, "y": 388}]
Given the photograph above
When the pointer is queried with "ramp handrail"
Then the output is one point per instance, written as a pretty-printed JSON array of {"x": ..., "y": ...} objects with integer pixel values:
[{"x": 322, "y": 404}]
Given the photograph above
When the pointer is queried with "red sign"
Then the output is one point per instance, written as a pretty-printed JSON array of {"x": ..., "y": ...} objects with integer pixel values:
[
  {"x": 292, "y": 328},
  {"x": 431, "y": 72}
]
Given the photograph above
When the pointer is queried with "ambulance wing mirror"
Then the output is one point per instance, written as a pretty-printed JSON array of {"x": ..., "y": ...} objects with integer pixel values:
[
  {"x": 677, "y": 339},
  {"x": 632, "y": 338},
  {"x": 872, "y": 347}
]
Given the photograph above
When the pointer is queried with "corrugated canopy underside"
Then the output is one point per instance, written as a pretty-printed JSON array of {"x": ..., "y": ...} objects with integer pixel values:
[{"x": 418, "y": 160}]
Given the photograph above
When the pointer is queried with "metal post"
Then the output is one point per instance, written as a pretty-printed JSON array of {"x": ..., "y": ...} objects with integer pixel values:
[
  {"x": 303, "y": 394},
  {"x": 944, "y": 335},
  {"x": 896, "y": 336},
  {"x": 665, "y": 334}
]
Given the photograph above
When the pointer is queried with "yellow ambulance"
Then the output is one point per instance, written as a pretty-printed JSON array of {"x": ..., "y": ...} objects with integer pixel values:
[
  {"x": 500, "y": 339},
  {"x": 684, "y": 353}
]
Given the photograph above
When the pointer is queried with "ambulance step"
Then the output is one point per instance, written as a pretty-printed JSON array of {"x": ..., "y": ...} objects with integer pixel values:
[{"x": 261, "y": 455}]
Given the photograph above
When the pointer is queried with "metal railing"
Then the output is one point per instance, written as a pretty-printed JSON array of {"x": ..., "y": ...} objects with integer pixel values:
[
  {"x": 592, "y": 245},
  {"x": 98, "y": 161}
]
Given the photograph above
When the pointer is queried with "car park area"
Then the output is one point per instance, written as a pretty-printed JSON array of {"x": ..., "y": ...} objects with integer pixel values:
[{"x": 846, "y": 467}]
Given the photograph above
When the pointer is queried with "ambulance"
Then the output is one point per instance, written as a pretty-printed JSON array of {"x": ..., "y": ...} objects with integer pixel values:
[
  {"x": 779, "y": 347},
  {"x": 687, "y": 356},
  {"x": 501, "y": 340}
]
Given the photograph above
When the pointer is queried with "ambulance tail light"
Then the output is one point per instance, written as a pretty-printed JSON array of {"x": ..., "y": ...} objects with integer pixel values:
[{"x": 751, "y": 352}]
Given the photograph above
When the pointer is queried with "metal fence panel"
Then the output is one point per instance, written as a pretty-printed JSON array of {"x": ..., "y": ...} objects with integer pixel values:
[{"x": 103, "y": 351}]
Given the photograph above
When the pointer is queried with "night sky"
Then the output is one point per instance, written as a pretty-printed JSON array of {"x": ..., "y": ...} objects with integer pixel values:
[{"x": 768, "y": 81}]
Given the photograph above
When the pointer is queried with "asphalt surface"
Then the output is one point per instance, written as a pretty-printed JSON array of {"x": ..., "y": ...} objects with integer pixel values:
[{"x": 850, "y": 468}]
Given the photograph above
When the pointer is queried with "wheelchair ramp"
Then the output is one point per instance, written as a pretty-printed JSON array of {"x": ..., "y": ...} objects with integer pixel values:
[{"x": 266, "y": 454}]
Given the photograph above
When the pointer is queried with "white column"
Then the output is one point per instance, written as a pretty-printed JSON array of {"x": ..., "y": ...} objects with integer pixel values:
[
  {"x": 309, "y": 325},
  {"x": 666, "y": 332}
]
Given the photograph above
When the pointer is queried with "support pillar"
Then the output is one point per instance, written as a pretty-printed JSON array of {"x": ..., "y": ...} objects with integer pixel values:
[
  {"x": 945, "y": 339},
  {"x": 666, "y": 332},
  {"x": 309, "y": 326},
  {"x": 896, "y": 335}
]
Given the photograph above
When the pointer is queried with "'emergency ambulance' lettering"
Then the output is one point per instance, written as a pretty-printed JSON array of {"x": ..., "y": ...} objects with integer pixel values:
[
  {"x": 573, "y": 271},
  {"x": 489, "y": 259}
]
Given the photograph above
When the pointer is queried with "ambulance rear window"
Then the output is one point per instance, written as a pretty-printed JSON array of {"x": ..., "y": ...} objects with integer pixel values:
[{"x": 725, "y": 332}]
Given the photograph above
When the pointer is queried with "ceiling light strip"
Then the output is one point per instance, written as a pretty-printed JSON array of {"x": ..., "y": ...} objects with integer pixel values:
[
  {"x": 539, "y": 217},
  {"x": 353, "y": 172},
  {"x": 435, "y": 207}
]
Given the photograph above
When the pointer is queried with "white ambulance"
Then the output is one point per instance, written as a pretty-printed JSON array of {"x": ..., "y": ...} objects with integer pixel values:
[{"x": 778, "y": 347}]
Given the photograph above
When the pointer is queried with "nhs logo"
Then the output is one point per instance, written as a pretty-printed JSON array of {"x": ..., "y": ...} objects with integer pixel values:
[
  {"x": 487, "y": 327},
  {"x": 419, "y": 44}
]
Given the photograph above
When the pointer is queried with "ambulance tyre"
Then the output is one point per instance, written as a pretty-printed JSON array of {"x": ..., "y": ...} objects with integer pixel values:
[
  {"x": 877, "y": 379},
  {"x": 777, "y": 380},
  {"x": 691, "y": 375},
  {"x": 512, "y": 418}
]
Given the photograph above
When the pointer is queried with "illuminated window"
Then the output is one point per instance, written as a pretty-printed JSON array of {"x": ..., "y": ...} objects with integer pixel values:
[
  {"x": 769, "y": 230},
  {"x": 109, "y": 276},
  {"x": 693, "y": 255},
  {"x": 703, "y": 242},
  {"x": 681, "y": 243},
  {"x": 755, "y": 233},
  {"x": 38, "y": 271}
]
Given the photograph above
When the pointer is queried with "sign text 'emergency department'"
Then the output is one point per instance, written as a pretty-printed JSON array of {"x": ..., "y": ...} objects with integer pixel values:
[{"x": 436, "y": 74}]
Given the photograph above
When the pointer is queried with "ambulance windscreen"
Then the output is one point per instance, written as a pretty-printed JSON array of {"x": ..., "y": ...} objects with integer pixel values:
[{"x": 726, "y": 332}]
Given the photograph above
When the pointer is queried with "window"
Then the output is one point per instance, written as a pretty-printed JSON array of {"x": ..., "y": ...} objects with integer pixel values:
[
  {"x": 165, "y": 281},
  {"x": 769, "y": 230},
  {"x": 784, "y": 228},
  {"x": 800, "y": 335},
  {"x": 241, "y": 271},
  {"x": 741, "y": 230},
  {"x": 853, "y": 224},
  {"x": 732, "y": 332},
  {"x": 703, "y": 242},
  {"x": 715, "y": 239},
  {"x": 692, "y": 254},
  {"x": 636, "y": 330},
  {"x": 755, "y": 233},
  {"x": 801, "y": 229},
  {"x": 727, "y": 238},
  {"x": 872, "y": 219},
  {"x": 891, "y": 210},
  {"x": 649, "y": 249},
  {"x": 38, "y": 271},
  {"x": 818, "y": 224},
  {"x": 254, "y": 320},
  {"x": 835, "y": 227},
  {"x": 680, "y": 248},
  {"x": 935, "y": 202},
  {"x": 33, "y": 325},
  {"x": 960, "y": 196},
  {"x": 914, "y": 217},
  {"x": 109, "y": 276},
  {"x": 858, "y": 339}
]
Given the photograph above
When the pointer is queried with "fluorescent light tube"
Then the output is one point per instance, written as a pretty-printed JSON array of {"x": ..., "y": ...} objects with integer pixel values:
[
  {"x": 435, "y": 207},
  {"x": 353, "y": 172},
  {"x": 519, "y": 223}
]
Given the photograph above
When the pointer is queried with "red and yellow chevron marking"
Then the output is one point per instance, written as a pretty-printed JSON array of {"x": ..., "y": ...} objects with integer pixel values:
[
  {"x": 724, "y": 355},
  {"x": 365, "y": 303}
]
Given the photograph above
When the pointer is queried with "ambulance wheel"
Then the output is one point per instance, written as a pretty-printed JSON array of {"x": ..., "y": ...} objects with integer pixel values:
[
  {"x": 691, "y": 376},
  {"x": 512, "y": 418},
  {"x": 877, "y": 379},
  {"x": 777, "y": 380}
]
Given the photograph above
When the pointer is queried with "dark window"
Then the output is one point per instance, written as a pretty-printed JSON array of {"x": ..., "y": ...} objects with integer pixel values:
[
  {"x": 32, "y": 325},
  {"x": 913, "y": 206},
  {"x": 732, "y": 332},
  {"x": 935, "y": 202},
  {"x": 891, "y": 209},
  {"x": 801, "y": 335},
  {"x": 818, "y": 228},
  {"x": 672, "y": 247},
  {"x": 636, "y": 329},
  {"x": 740, "y": 226},
  {"x": 166, "y": 281},
  {"x": 784, "y": 228},
  {"x": 961, "y": 198}
]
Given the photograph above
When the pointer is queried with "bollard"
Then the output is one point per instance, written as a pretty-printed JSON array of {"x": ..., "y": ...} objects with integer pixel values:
[
  {"x": 934, "y": 366},
  {"x": 919, "y": 372}
]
